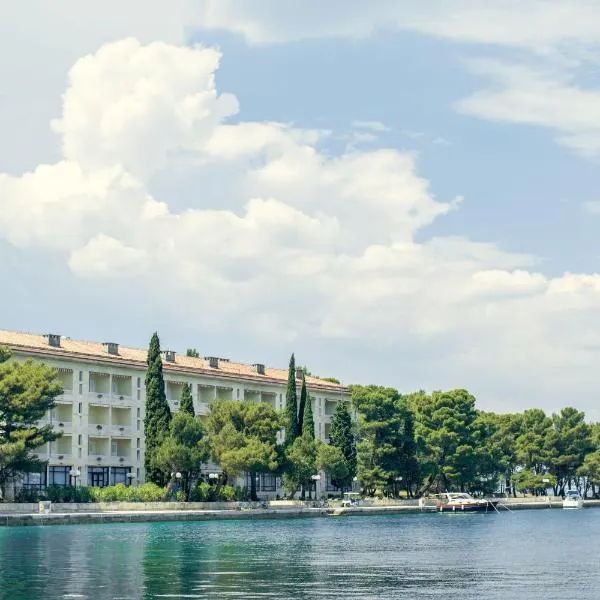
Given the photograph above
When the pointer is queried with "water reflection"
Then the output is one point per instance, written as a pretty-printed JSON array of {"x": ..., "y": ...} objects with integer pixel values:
[{"x": 418, "y": 556}]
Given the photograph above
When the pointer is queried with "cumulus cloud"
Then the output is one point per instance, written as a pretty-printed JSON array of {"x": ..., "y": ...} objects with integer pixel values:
[{"x": 309, "y": 242}]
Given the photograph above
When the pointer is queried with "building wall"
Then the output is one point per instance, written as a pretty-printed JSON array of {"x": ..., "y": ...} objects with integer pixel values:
[{"x": 101, "y": 414}]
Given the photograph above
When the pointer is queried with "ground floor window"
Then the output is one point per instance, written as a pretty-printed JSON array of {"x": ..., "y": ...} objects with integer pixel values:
[
  {"x": 329, "y": 487},
  {"x": 98, "y": 476},
  {"x": 119, "y": 475},
  {"x": 34, "y": 481},
  {"x": 58, "y": 475},
  {"x": 265, "y": 482}
]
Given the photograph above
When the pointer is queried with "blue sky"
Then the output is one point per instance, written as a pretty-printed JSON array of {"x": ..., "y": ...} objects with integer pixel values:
[{"x": 214, "y": 170}]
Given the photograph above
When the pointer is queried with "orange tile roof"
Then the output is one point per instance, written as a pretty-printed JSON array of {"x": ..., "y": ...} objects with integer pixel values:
[{"x": 37, "y": 345}]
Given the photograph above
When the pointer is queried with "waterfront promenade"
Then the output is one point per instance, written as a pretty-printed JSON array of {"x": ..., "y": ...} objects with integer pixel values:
[{"x": 128, "y": 512}]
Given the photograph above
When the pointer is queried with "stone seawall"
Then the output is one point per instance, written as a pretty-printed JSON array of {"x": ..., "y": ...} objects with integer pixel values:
[{"x": 120, "y": 512}]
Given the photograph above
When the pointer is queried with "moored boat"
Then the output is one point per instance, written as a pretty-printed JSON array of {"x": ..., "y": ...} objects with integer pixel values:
[
  {"x": 462, "y": 502},
  {"x": 573, "y": 499}
]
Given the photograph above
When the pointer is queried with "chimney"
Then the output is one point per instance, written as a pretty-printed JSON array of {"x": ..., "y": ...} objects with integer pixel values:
[
  {"x": 299, "y": 372},
  {"x": 111, "y": 348},
  {"x": 213, "y": 361},
  {"x": 53, "y": 340},
  {"x": 169, "y": 356},
  {"x": 259, "y": 368}
]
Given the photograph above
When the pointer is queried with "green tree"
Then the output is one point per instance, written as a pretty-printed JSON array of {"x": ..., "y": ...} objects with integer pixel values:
[
  {"x": 183, "y": 450},
  {"x": 291, "y": 404},
  {"x": 186, "y": 404},
  {"x": 568, "y": 443},
  {"x": 332, "y": 460},
  {"x": 445, "y": 435},
  {"x": 192, "y": 353},
  {"x": 385, "y": 442},
  {"x": 531, "y": 444},
  {"x": 243, "y": 438},
  {"x": 302, "y": 404},
  {"x": 301, "y": 457},
  {"x": 158, "y": 413},
  {"x": 27, "y": 391},
  {"x": 308, "y": 422},
  {"x": 341, "y": 437}
]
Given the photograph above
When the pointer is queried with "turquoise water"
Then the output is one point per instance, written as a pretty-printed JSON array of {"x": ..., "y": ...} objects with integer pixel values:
[{"x": 541, "y": 554}]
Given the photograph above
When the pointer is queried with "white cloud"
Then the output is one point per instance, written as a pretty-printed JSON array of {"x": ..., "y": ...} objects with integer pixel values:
[
  {"x": 376, "y": 126},
  {"x": 522, "y": 94},
  {"x": 537, "y": 24},
  {"x": 323, "y": 245}
]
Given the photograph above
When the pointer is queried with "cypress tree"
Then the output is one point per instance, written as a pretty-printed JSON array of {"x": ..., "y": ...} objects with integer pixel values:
[
  {"x": 158, "y": 413},
  {"x": 308, "y": 423},
  {"x": 341, "y": 436},
  {"x": 291, "y": 404},
  {"x": 301, "y": 405},
  {"x": 186, "y": 404}
]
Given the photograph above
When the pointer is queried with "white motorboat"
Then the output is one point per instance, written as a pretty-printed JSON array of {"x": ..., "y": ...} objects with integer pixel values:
[{"x": 573, "y": 499}]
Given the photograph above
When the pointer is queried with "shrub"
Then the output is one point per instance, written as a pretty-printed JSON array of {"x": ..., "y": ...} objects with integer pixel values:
[{"x": 227, "y": 493}]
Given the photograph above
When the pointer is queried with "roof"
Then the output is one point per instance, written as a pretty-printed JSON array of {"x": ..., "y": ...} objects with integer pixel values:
[{"x": 37, "y": 345}]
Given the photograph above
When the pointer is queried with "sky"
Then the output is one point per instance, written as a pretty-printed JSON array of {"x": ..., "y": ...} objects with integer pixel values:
[{"x": 402, "y": 193}]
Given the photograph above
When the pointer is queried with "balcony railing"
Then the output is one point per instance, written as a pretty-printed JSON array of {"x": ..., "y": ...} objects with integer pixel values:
[
  {"x": 98, "y": 429},
  {"x": 66, "y": 397},
  {"x": 120, "y": 399},
  {"x": 63, "y": 426},
  {"x": 120, "y": 430},
  {"x": 94, "y": 458},
  {"x": 119, "y": 461},
  {"x": 58, "y": 456},
  {"x": 102, "y": 398}
]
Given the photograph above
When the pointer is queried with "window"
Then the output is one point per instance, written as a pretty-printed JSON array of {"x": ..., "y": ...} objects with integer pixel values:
[
  {"x": 138, "y": 413},
  {"x": 79, "y": 439},
  {"x": 119, "y": 475},
  {"x": 80, "y": 375},
  {"x": 98, "y": 476},
  {"x": 138, "y": 443},
  {"x": 138, "y": 425},
  {"x": 265, "y": 482},
  {"x": 78, "y": 452},
  {"x": 58, "y": 475},
  {"x": 34, "y": 481},
  {"x": 138, "y": 394},
  {"x": 238, "y": 393},
  {"x": 114, "y": 449},
  {"x": 139, "y": 382},
  {"x": 79, "y": 408},
  {"x": 80, "y": 388},
  {"x": 138, "y": 455}
]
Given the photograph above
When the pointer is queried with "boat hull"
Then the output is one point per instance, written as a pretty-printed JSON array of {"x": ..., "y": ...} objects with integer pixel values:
[
  {"x": 572, "y": 504},
  {"x": 468, "y": 507}
]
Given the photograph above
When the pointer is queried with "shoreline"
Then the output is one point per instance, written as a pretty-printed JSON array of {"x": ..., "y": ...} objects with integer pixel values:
[{"x": 150, "y": 516}]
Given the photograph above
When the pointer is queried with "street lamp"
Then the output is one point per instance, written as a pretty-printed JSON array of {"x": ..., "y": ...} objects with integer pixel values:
[
  {"x": 314, "y": 478},
  {"x": 213, "y": 476},
  {"x": 398, "y": 480},
  {"x": 74, "y": 473},
  {"x": 130, "y": 477}
]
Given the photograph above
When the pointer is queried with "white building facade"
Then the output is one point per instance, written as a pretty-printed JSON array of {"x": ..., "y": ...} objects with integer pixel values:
[{"x": 101, "y": 411}]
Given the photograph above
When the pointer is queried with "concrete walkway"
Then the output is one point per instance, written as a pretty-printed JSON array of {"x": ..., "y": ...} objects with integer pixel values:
[{"x": 145, "y": 516}]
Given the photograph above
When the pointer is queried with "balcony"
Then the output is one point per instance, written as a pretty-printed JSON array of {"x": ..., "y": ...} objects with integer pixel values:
[
  {"x": 59, "y": 458},
  {"x": 65, "y": 398},
  {"x": 120, "y": 430},
  {"x": 96, "y": 458},
  {"x": 98, "y": 429},
  {"x": 101, "y": 398},
  {"x": 119, "y": 461},
  {"x": 63, "y": 426}
]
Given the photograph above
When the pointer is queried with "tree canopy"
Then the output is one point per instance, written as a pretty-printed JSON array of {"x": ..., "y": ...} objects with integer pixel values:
[
  {"x": 27, "y": 391},
  {"x": 158, "y": 413}
]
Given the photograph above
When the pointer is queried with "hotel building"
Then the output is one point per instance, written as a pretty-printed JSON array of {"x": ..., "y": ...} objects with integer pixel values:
[{"x": 101, "y": 411}]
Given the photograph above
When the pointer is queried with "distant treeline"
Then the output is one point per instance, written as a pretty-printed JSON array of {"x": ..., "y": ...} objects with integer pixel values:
[{"x": 423, "y": 443}]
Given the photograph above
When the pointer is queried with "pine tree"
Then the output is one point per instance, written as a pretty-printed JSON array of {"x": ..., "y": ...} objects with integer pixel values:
[
  {"x": 186, "y": 404},
  {"x": 158, "y": 413},
  {"x": 341, "y": 436},
  {"x": 291, "y": 404},
  {"x": 308, "y": 423},
  {"x": 301, "y": 404}
]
